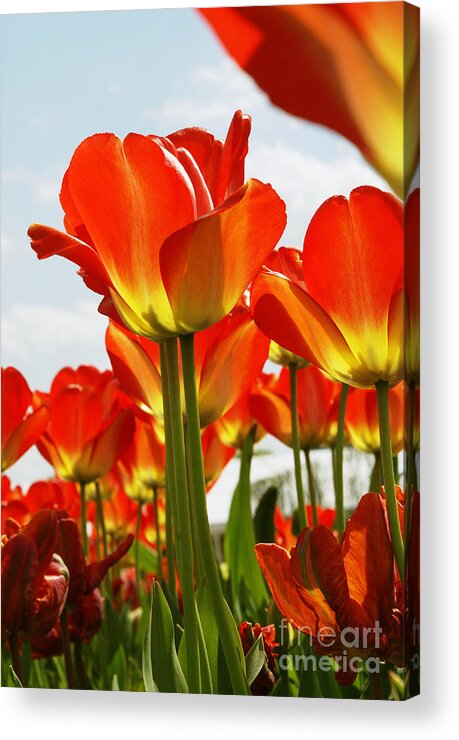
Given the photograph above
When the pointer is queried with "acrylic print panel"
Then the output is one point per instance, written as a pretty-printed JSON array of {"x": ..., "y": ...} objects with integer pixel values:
[{"x": 210, "y": 433}]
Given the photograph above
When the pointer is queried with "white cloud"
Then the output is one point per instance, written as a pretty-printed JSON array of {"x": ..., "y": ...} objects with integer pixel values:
[
  {"x": 212, "y": 95},
  {"x": 114, "y": 88},
  {"x": 41, "y": 339},
  {"x": 44, "y": 185},
  {"x": 304, "y": 181}
]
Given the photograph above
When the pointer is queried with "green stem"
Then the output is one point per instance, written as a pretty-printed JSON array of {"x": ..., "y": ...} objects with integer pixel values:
[
  {"x": 84, "y": 529},
  {"x": 79, "y": 663},
  {"x": 183, "y": 530},
  {"x": 137, "y": 544},
  {"x": 171, "y": 585},
  {"x": 16, "y": 659},
  {"x": 312, "y": 488},
  {"x": 339, "y": 484},
  {"x": 101, "y": 518},
  {"x": 67, "y": 651},
  {"x": 302, "y": 513},
  {"x": 197, "y": 558},
  {"x": 225, "y": 622},
  {"x": 159, "y": 548},
  {"x": 171, "y": 497},
  {"x": 376, "y": 474},
  {"x": 411, "y": 462},
  {"x": 382, "y": 391}
]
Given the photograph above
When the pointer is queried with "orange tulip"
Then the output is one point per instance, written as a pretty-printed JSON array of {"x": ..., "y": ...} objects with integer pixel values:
[
  {"x": 352, "y": 67},
  {"x": 234, "y": 427},
  {"x": 228, "y": 357},
  {"x": 318, "y": 399},
  {"x": 345, "y": 315},
  {"x": 284, "y": 526},
  {"x": 412, "y": 287},
  {"x": 21, "y": 426},
  {"x": 13, "y": 504},
  {"x": 87, "y": 429},
  {"x": 343, "y": 595},
  {"x": 362, "y": 422},
  {"x": 165, "y": 228},
  {"x": 142, "y": 466},
  {"x": 216, "y": 454}
]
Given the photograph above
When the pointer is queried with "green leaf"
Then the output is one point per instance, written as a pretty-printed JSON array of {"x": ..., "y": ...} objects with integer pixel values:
[
  {"x": 263, "y": 520},
  {"x": 115, "y": 684},
  {"x": 118, "y": 669},
  {"x": 160, "y": 665},
  {"x": 148, "y": 559},
  {"x": 240, "y": 555},
  {"x": 255, "y": 659}
]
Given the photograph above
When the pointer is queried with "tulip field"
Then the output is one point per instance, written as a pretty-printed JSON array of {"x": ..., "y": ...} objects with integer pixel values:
[{"x": 219, "y": 336}]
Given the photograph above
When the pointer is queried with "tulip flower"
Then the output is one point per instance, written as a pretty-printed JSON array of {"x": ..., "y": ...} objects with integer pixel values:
[
  {"x": 215, "y": 453},
  {"x": 412, "y": 287},
  {"x": 35, "y": 581},
  {"x": 142, "y": 466},
  {"x": 164, "y": 228},
  {"x": 318, "y": 399},
  {"x": 234, "y": 427},
  {"x": 229, "y": 356},
  {"x": 265, "y": 680},
  {"x": 362, "y": 423},
  {"x": 319, "y": 62},
  {"x": 22, "y": 426},
  {"x": 351, "y": 327},
  {"x": 88, "y": 447},
  {"x": 12, "y": 502},
  {"x": 342, "y": 595},
  {"x": 285, "y": 526}
]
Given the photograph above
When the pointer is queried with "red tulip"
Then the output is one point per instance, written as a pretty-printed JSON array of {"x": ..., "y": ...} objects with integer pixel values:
[
  {"x": 320, "y": 62},
  {"x": 249, "y": 633},
  {"x": 318, "y": 399},
  {"x": 228, "y": 358},
  {"x": 343, "y": 595},
  {"x": 345, "y": 314},
  {"x": 13, "y": 504},
  {"x": 35, "y": 580},
  {"x": 412, "y": 287},
  {"x": 21, "y": 426},
  {"x": 165, "y": 228},
  {"x": 87, "y": 429}
]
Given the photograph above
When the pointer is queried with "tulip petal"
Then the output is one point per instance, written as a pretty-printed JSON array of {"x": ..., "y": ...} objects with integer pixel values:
[
  {"x": 207, "y": 265},
  {"x": 135, "y": 362},
  {"x": 139, "y": 179},
  {"x": 275, "y": 563},
  {"x": 366, "y": 543},
  {"x": 24, "y": 436},
  {"x": 289, "y": 316},
  {"x": 95, "y": 572},
  {"x": 19, "y": 566},
  {"x": 110, "y": 444},
  {"x": 361, "y": 240},
  {"x": 16, "y": 398}
]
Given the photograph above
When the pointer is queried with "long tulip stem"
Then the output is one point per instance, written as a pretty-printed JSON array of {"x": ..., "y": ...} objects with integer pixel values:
[
  {"x": 172, "y": 546},
  {"x": 159, "y": 548},
  {"x": 137, "y": 544},
  {"x": 382, "y": 391},
  {"x": 376, "y": 475},
  {"x": 67, "y": 651},
  {"x": 411, "y": 462},
  {"x": 84, "y": 526},
  {"x": 101, "y": 518},
  {"x": 302, "y": 513},
  {"x": 338, "y": 461},
  {"x": 225, "y": 623},
  {"x": 183, "y": 531},
  {"x": 311, "y": 487}
]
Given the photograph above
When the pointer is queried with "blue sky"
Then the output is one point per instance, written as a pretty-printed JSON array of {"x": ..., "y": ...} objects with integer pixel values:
[{"x": 68, "y": 75}]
